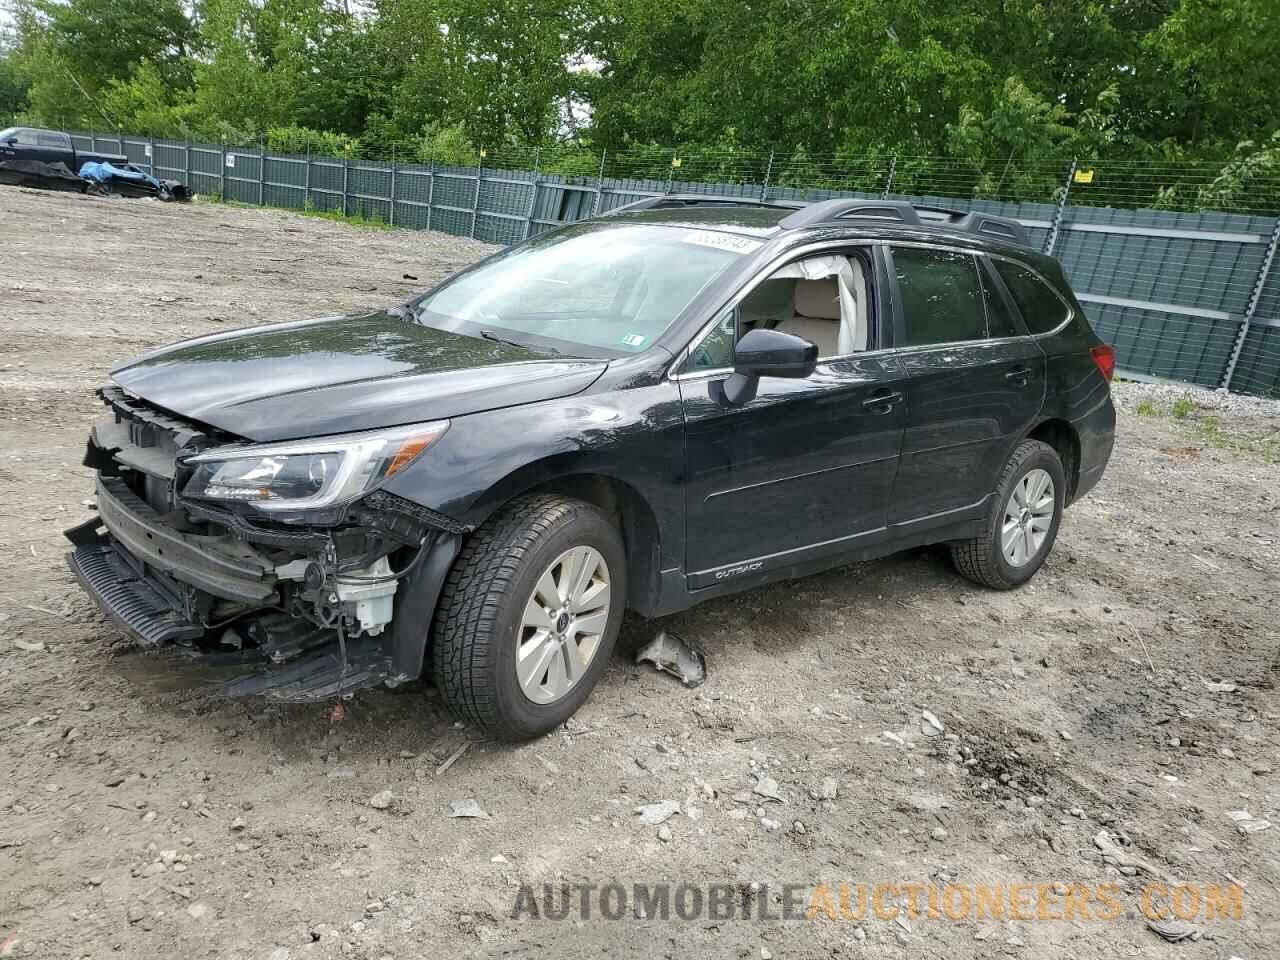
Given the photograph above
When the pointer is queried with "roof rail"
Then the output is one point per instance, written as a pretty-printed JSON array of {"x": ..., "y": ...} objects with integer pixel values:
[
  {"x": 676, "y": 200},
  {"x": 911, "y": 215},
  {"x": 985, "y": 224},
  {"x": 844, "y": 208},
  {"x": 847, "y": 208}
]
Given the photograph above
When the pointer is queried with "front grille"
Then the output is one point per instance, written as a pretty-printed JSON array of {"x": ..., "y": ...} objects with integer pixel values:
[
  {"x": 143, "y": 438},
  {"x": 149, "y": 426}
]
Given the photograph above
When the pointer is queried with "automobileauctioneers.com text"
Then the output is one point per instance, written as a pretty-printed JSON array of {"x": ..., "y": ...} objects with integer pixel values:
[{"x": 836, "y": 901}]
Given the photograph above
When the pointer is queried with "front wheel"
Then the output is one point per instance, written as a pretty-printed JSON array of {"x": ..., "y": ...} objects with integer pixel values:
[
  {"x": 529, "y": 615},
  {"x": 1023, "y": 522}
]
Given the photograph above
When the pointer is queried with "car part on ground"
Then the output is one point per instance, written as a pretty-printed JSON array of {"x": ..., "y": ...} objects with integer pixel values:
[{"x": 675, "y": 655}]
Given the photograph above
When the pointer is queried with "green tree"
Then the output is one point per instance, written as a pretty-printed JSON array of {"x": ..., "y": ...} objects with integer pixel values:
[
  {"x": 13, "y": 84},
  {"x": 144, "y": 103},
  {"x": 1213, "y": 66},
  {"x": 68, "y": 53},
  {"x": 505, "y": 65},
  {"x": 1001, "y": 90}
]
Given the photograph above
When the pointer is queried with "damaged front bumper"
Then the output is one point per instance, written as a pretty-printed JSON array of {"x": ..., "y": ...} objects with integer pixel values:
[{"x": 310, "y": 612}]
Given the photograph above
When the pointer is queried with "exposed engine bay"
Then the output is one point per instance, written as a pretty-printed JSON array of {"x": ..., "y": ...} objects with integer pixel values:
[{"x": 310, "y": 595}]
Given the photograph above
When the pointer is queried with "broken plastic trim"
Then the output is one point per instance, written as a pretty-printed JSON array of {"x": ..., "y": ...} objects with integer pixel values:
[
  {"x": 676, "y": 656},
  {"x": 382, "y": 501}
]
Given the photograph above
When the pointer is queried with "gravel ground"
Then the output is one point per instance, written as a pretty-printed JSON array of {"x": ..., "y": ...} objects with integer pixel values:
[
  {"x": 1235, "y": 405},
  {"x": 1099, "y": 725}
]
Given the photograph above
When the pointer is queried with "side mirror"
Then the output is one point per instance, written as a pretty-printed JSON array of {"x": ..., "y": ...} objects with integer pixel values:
[
  {"x": 764, "y": 353},
  {"x": 769, "y": 353}
]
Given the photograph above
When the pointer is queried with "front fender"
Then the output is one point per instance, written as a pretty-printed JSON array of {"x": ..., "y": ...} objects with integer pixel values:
[{"x": 634, "y": 435}]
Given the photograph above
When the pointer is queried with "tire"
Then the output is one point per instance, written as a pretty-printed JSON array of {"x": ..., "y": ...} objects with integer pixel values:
[
  {"x": 482, "y": 612},
  {"x": 983, "y": 559}
]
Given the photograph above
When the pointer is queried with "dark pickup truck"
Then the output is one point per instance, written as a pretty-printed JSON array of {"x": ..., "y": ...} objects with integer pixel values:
[{"x": 31, "y": 157}]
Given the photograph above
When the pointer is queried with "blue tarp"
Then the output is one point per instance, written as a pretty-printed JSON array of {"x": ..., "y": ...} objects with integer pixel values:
[{"x": 105, "y": 173}]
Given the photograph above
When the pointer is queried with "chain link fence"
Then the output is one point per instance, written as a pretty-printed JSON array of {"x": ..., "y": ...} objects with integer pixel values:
[{"x": 1175, "y": 262}]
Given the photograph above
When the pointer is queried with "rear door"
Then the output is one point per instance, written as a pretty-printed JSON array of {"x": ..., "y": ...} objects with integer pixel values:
[
  {"x": 975, "y": 382},
  {"x": 802, "y": 471}
]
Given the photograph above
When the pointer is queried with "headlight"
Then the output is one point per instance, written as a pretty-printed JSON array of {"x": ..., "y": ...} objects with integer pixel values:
[{"x": 308, "y": 474}]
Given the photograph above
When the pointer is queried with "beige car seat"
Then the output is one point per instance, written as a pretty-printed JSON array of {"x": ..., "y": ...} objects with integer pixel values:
[{"x": 817, "y": 315}]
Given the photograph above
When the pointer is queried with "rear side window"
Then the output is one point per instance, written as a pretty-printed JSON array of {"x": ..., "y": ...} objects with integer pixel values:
[
  {"x": 1041, "y": 307},
  {"x": 942, "y": 300},
  {"x": 1000, "y": 321}
]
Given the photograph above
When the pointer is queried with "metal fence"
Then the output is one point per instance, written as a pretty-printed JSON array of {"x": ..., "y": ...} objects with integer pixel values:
[{"x": 1183, "y": 294}]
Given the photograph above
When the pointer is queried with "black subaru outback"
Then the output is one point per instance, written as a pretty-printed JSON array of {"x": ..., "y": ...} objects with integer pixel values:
[{"x": 683, "y": 399}]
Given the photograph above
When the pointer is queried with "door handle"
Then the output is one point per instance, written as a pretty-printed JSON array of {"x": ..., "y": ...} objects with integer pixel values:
[
  {"x": 1019, "y": 376},
  {"x": 882, "y": 401}
]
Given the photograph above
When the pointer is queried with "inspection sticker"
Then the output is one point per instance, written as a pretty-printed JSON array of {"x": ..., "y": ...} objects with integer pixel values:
[
  {"x": 722, "y": 241},
  {"x": 633, "y": 339}
]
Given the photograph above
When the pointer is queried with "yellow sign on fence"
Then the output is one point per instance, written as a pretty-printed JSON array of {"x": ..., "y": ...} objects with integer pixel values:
[{"x": 1083, "y": 176}]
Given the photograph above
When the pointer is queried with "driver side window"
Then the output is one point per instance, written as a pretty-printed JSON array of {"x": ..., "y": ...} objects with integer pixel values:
[{"x": 825, "y": 299}]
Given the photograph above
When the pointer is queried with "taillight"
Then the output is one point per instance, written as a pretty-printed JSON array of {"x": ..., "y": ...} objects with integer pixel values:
[{"x": 1104, "y": 355}]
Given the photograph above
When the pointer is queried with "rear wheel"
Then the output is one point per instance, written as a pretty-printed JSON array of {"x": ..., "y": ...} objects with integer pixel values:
[
  {"x": 1023, "y": 522},
  {"x": 529, "y": 616}
]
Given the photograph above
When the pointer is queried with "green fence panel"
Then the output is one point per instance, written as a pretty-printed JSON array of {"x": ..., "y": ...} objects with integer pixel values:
[
  {"x": 169, "y": 160},
  {"x": 1166, "y": 345},
  {"x": 1258, "y": 370}
]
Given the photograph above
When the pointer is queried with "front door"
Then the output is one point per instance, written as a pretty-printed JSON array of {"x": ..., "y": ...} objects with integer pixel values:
[
  {"x": 805, "y": 469},
  {"x": 975, "y": 383}
]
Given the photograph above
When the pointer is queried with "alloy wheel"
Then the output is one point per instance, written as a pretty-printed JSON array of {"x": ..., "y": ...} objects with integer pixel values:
[
  {"x": 1028, "y": 515},
  {"x": 562, "y": 625}
]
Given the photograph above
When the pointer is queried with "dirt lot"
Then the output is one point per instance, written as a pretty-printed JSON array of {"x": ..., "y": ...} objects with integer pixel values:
[{"x": 1129, "y": 691}]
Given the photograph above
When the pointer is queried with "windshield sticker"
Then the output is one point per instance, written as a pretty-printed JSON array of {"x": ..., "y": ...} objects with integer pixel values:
[
  {"x": 722, "y": 241},
  {"x": 633, "y": 340}
]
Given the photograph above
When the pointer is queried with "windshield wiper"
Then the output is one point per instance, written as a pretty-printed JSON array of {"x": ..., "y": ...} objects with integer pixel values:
[{"x": 490, "y": 335}]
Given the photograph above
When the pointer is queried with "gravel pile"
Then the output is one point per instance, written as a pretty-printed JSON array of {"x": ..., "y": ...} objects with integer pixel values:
[{"x": 1127, "y": 395}]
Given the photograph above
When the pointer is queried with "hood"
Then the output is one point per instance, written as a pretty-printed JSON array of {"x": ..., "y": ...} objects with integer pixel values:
[{"x": 344, "y": 374}]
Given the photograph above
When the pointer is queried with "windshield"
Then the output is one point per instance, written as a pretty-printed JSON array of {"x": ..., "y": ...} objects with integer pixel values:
[{"x": 611, "y": 287}]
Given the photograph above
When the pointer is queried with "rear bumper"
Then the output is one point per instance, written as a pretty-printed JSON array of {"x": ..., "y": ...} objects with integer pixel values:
[{"x": 1097, "y": 433}]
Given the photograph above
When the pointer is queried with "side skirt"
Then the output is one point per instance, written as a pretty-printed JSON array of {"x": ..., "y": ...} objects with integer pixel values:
[{"x": 680, "y": 592}]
